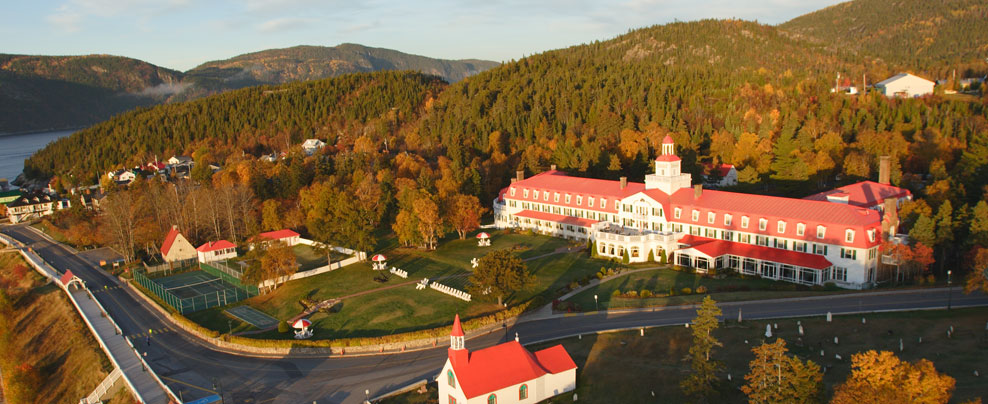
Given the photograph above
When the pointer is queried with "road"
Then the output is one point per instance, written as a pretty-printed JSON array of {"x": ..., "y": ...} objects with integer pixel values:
[{"x": 190, "y": 367}]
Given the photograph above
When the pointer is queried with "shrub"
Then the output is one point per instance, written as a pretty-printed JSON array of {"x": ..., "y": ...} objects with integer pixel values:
[
  {"x": 672, "y": 291},
  {"x": 701, "y": 289},
  {"x": 662, "y": 257},
  {"x": 631, "y": 294},
  {"x": 626, "y": 258},
  {"x": 574, "y": 285},
  {"x": 687, "y": 291},
  {"x": 616, "y": 293},
  {"x": 645, "y": 294},
  {"x": 651, "y": 256},
  {"x": 283, "y": 327}
]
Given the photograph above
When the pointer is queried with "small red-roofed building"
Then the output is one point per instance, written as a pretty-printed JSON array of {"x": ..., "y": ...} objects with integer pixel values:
[
  {"x": 505, "y": 373},
  {"x": 176, "y": 247},
  {"x": 726, "y": 175},
  {"x": 287, "y": 236},
  {"x": 216, "y": 251}
]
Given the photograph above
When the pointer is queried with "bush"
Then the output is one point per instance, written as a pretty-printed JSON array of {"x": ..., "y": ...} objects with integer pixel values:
[
  {"x": 687, "y": 291},
  {"x": 662, "y": 257},
  {"x": 573, "y": 285},
  {"x": 645, "y": 294},
  {"x": 616, "y": 293},
  {"x": 626, "y": 258},
  {"x": 651, "y": 256},
  {"x": 701, "y": 289},
  {"x": 283, "y": 327},
  {"x": 631, "y": 293}
]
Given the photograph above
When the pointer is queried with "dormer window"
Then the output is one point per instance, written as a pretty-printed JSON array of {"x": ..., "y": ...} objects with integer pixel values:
[
  {"x": 800, "y": 229},
  {"x": 711, "y": 216},
  {"x": 556, "y": 197},
  {"x": 590, "y": 201},
  {"x": 545, "y": 196},
  {"x": 567, "y": 199},
  {"x": 696, "y": 215},
  {"x": 513, "y": 192},
  {"x": 677, "y": 213},
  {"x": 744, "y": 222},
  {"x": 782, "y": 227},
  {"x": 525, "y": 193},
  {"x": 728, "y": 219},
  {"x": 762, "y": 224},
  {"x": 871, "y": 235},
  {"x": 603, "y": 203},
  {"x": 821, "y": 231},
  {"x": 849, "y": 235},
  {"x": 579, "y": 200}
]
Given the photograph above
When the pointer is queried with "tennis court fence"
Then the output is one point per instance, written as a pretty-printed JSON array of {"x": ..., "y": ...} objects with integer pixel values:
[
  {"x": 197, "y": 302},
  {"x": 229, "y": 275}
]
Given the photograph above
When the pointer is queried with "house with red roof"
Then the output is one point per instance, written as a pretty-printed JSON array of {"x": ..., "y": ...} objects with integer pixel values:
[
  {"x": 287, "y": 236},
  {"x": 721, "y": 175},
  {"x": 505, "y": 373},
  {"x": 216, "y": 251},
  {"x": 176, "y": 247},
  {"x": 807, "y": 241}
]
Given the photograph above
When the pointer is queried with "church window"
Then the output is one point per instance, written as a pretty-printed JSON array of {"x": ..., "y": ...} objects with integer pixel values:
[
  {"x": 491, "y": 399},
  {"x": 451, "y": 378},
  {"x": 523, "y": 392}
]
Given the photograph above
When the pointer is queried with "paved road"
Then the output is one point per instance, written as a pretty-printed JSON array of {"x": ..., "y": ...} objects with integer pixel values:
[{"x": 189, "y": 367}]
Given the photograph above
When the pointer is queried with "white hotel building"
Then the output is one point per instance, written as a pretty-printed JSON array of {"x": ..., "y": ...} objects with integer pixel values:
[{"x": 804, "y": 241}]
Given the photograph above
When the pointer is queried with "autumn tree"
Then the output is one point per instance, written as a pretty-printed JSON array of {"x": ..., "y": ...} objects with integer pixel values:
[
  {"x": 701, "y": 383},
  {"x": 278, "y": 262},
  {"x": 977, "y": 279},
  {"x": 979, "y": 224},
  {"x": 335, "y": 217},
  {"x": 119, "y": 221},
  {"x": 499, "y": 274},
  {"x": 881, "y": 377},
  {"x": 406, "y": 228},
  {"x": 270, "y": 220},
  {"x": 430, "y": 223},
  {"x": 777, "y": 377},
  {"x": 464, "y": 214},
  {"x": 924, "y": 231}
]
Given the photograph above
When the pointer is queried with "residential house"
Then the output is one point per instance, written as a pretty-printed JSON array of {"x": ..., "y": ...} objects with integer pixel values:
[
  {"x": 905, "y": 85},
  {"x": 92, "y": 198},
  {"x": 269, "y": 158},
  {"x": 726, "y": 176},
  {"x": 311, "y": 146},
  {"x": 287, "y": 236},
  {"x": 216, "y": 251},
  {"x": 6, "y": 197},
  {"x": 33, "y": 205},
  {"x": 180, "y": 160},
  {"x": 503, "y": 374},
  {"x": 176, "y": 247}
]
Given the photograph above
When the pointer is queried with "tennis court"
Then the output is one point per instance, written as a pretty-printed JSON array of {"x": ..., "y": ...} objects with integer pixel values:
[
  {"x": 193, "y": 291},
  {"x": 252, "y": 316}
]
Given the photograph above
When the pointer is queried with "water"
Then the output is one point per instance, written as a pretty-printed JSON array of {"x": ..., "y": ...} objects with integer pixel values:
[{"x": 15, "y": 148}]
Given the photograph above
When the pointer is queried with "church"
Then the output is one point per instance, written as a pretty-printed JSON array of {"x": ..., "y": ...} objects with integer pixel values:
[
  {"x": 831, "y": 237},
  {"x": 504, "y": 373}
]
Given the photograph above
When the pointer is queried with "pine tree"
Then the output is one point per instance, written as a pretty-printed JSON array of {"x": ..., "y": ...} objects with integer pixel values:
[
  {"x": 924, "y": 231},
  {"x": 776, "y": 377},
  {"x": 700, "y": 384}
]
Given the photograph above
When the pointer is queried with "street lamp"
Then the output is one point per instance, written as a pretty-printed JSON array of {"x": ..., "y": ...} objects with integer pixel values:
[
  {"x": 597, "y": 306},
  {"x": 949, "y": 295}
]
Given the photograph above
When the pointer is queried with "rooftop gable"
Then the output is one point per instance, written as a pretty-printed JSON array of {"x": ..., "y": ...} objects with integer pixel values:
[
  {"x": 863, "y": 194},
  {"x": 215, "y": 245},
  {"x": 497, "y": 367}
]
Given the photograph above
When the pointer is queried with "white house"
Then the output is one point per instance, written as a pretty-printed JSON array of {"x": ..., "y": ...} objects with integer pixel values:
[
  {"x": 727, "y": 173},
  {"x": 179, "y": 160},
  {"x": 176, "y": 247},
  {"x": 503, "y": 374},
  {"x": 905, "y": 85},
  {"x": 287, "y": 236},
  {"x": 804, "y": 241},
  {"x": 311, "y": 146},
  {"x": 216, "y": 251},
  {"x": 33, "y": 206}
]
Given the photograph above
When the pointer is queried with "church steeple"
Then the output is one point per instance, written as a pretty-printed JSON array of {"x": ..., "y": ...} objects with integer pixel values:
[{"x": 457, "y": 350}]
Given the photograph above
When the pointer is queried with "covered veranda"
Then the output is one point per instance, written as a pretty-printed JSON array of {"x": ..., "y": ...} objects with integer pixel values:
[{"x": 705, "y": 254}]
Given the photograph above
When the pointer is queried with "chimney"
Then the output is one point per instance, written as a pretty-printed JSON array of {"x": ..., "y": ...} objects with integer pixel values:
[
  {"x": 624, "y": 182},
  {"x": 552, "y": 167},
  {"x": 890, "y": 217},
  {"x": 883, "y": 170},
  {"x": 520, "y": 175},
  {"x": 513, "y": 180},
  {"x": 697, "y": 191}
]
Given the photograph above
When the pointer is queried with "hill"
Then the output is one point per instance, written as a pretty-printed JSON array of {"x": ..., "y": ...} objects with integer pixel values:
[
  {"x": 909, "y": 34},
  {"x": 54, "y": 92},
  {"x": 301, "y": 63}
]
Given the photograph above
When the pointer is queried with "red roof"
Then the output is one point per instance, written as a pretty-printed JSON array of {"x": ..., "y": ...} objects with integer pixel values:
[
  {"x": 668, "y": 157},
  {"x": 278, "y": 234},
  {"x": 724, "y": 169},
  {"x": 169, "y": 240},
  {"x": 552, "y": 217},
  {"x": 457, "y": 330},
  {"x": 213, "y": 246},
  {"x": 668, "y": 140},
  {"x": 716, "y": 248},
  {"x": 865, "y": 194},
  {"x": 67, "y": 277},
  {"x": 557, "y": 181},
  {"x": 508, "y": 364}
]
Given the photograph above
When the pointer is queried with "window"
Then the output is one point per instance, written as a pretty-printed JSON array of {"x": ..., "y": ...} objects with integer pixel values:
[
  {"x": 849, "y": 235},
  {"x": 603, "y": 203},
  {"x": 491, "y": 399},
  {"x": 545, "y": 196},
  {"x": 567, "y": 198},
  {"x": 780, "y": 243},
  {"x": 451, "y": 378},
  {"x": 761, "y": 240},
  {"x": 452, "y": 400},
  {"x": 849, "y": 253},
  {"x": 799, "y": 246},
  {"x": 800, "y": 229},
  {"x": 871, "y": 235},
  {"x": 696, "y": 215},
  {"x": 676, "y": 213},
  {"x": 556, "y": 197},
  {"x": 821, "y": 231},
  {"x": 579, "y": 200},
  {"x": 762, "y": 224},
  {"x": 872, "y": 253},
  {"x": 626, "y": 208},
  {"x": 709, "y": 233},
  {"x": 656, "y": 211},
  {"x": 782, "y": 227},
  {"x": 840, "y": 274},
  {"x": 727, "y": 219},
  {"x": 523, "y": 392},
  {"x": 746, "y": 238},
  {"x": 727, "y": 235},
  {"x": 526, "y": 194},
  {"x": 512, "y": 192},
  {"x": 744, "y": 222},
  {"x": 711, "y": 216},
  {"x": 820, "y": 249},
  {"x": 590, "y": 201}
]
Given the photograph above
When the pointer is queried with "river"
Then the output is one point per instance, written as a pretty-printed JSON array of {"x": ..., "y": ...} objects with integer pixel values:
[{"x": 15, "y": 148}]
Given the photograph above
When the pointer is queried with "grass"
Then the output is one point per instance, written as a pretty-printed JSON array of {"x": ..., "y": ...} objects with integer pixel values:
[
  {"x": 309, "y": 258},
  {"x": 403, "y": 309},
  {"x": 626, "y": 368},
  {"x": 42, "y": 329},
  {"x": 660, "y": 281}
]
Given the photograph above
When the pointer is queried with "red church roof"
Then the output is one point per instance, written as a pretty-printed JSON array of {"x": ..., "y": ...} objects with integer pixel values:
[
  {"x": 457, "y": 330},
  {"x": 217, "y": 245},
  {"x": 508, "y": 364},
  {"x": 557, "y": 181},
  {"x": 169, "y": 240},
  {"x": 278, "y": 234},
  {"x": 668, "y": 140},
  {"x": 865, "y": 194}
]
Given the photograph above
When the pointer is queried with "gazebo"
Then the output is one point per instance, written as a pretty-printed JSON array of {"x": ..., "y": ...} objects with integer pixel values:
[
  {"x": 483, "y": 239},
  {"x": 380, "y": 262},
  {"x": 302, "y": 325}
]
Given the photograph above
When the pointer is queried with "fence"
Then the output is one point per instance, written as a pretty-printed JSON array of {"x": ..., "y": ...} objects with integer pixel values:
[
  {"x": 312, "y": 272},
  {"x": 198, "y": 302},
  {"x": 229, "y": 275},
  {"x": 459, "y": 294},
  {"x": 170, "y": 266}
]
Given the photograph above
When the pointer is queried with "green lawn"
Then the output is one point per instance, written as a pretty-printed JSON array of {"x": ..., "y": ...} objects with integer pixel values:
[
  {"x": 659, "y": 282},
  {"x": 626, "y": 368},
  {"x": 310, "y": 258}
]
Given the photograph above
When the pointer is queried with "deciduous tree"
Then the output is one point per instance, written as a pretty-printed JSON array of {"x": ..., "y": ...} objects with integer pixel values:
[
  {"x": 498, "y": 274},
  {"x": 777, "y": 377},
  {"x": 701, "y": 383},
  {"x": 464, "y": 214},
  {"x": 880, "y": 377}
]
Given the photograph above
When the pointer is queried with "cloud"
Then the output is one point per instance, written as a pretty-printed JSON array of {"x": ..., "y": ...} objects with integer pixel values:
[
  {"x": 284, "y": 24},
  {"x": 71, "y": 14},
  {"x": 164, "y": 89}
]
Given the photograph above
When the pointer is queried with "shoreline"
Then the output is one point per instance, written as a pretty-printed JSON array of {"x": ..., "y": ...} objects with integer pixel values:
[{"x": 31, "y": 132}]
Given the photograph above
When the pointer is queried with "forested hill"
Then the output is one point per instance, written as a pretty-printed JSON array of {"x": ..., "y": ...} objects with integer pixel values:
[
  {"x": 300, "y": 63},
  {"x": 44, "y": 92},
  {"x": 932, "y": 36}
]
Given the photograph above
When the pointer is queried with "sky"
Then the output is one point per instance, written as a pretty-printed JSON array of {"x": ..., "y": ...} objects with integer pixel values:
[{"x": 181, "y": 34}]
